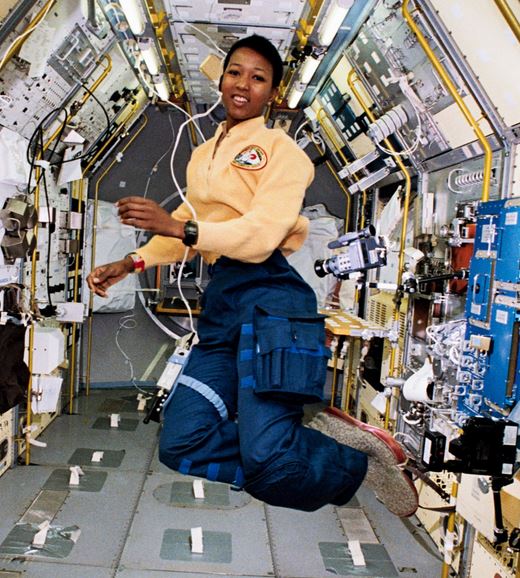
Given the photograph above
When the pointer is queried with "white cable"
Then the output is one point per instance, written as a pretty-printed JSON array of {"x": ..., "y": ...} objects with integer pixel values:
[
  {"x": 297, "y": 131},
  {"x": 179, "y": 192},
  {"x": 410, "y": 150},
  {"x": 140, "y": 294},
  {"x": 23, "y": 34},
  {"x": 454, "y": 355},
  {"x": 191, "y": 118},
  {"x": 158, "y": 162},
  {"x": 404, "y": 435},
  {"x": 410, "y": 421},
  {"x": 177, "y": 140},
  {"x": 179, "y": 287},
  {"x": 201, "y": 31},
  {"x": 184, "y": 199},
  {"x": 449, "y": 183},
  {"x": 187, "y": 203},
  {"x": 128, "y": 322},
  {"x": 418, "y": 108},
  {"x": 316, "y": 139}
]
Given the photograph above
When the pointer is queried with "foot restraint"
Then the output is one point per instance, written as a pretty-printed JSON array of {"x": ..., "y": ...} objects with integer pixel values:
[{"x": 386, "y": 473}]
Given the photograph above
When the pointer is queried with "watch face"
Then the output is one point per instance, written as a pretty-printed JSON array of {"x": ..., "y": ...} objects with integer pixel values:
[{"x": 191, "y": 233}]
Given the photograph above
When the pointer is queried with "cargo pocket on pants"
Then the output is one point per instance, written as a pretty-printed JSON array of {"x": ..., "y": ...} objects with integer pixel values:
[{"x": 290, "y": 359}]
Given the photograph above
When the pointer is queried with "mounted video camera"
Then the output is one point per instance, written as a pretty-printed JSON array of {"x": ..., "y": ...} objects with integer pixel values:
[{"x": 364, "y": 250}]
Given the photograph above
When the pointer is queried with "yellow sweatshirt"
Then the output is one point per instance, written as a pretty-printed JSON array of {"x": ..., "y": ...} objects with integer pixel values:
[{"x": 247, "y": 193}]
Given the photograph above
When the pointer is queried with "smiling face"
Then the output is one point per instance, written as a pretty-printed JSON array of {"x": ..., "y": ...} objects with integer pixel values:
[{"x": 247, "y": 86}]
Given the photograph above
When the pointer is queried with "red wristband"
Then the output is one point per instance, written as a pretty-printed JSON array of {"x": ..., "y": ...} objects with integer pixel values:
[{"x": 138, "y": 262}]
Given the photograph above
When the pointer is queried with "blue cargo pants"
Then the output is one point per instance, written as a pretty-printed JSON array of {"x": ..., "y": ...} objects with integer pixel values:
[{"x": 218, "y": 426}]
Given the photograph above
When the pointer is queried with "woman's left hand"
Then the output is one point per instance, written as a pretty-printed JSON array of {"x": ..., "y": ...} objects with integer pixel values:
[{"x": 148, "y": 215}]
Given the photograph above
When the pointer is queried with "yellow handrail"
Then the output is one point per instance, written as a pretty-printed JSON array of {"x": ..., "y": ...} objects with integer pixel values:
[
  {"x": 194, "y": 138},
  {"x": 510, "y": 17},
  {"x": 488, "y": 153},
  {"x": 72, "y": 375},
  {"x": 302, "y": 34},
  {"x": 28, "y": 417},
  {"x": 26, "y": 33},
  {"x": 352, "y": 79},
  {"x": 323, "y": 113},
  {"x": 450, "y": 528},
  {"x": 34, "y": 268},
  {"x": 306, "y": 25}
]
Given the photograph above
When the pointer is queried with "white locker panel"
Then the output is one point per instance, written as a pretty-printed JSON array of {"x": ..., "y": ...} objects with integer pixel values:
[
  {"x": 259, "y": 12},
  {"x": 193, "y": 48},
  {"x": 491, "y": 49}
]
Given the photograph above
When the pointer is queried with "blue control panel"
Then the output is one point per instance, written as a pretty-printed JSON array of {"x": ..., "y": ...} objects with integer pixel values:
[{"x": 489, "y": 374}]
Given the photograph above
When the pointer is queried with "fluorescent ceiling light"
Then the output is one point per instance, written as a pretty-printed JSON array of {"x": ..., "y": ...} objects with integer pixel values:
[
  {"x": 161, "y": 87},
  {"x": 309, "y": 67},
  {"x": 295, "y": 94},
  {"x": 149, "y": 54},
  {"x": 134, "y": 15},
  {"x": 337, "y": 11}
]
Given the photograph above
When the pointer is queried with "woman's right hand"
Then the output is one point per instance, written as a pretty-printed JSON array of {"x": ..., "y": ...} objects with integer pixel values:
[{"x": 104, "y": 276}]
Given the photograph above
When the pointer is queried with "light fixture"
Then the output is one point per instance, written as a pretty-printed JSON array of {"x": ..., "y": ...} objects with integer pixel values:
[
  {"x": 134, "y": 15},
  {"x": 309, "y": 67},
  {"x": 295, "y": 94},
  {"x": 161, "y": 87},
  {"x": 149, "y": 54},
  {"x": 333, "y": 20}
]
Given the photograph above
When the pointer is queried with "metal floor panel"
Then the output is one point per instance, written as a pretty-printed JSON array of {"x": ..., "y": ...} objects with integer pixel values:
[
  {"x": 55, "y": 570},
  {"x": 103, "y": 517},
  {"x": 249, "y": 537},
  {"x": 295, "y": 538},
  {"x": 103, "y": 401},
  {"x": 128, "y": 573},
  {"x": 123, "y": 525},
  {"x": 410, "y": 547},
  {"x": 157, "y": 468},
  {"x": 71, "y": 432},
  {"x": 18, "y": 489}
]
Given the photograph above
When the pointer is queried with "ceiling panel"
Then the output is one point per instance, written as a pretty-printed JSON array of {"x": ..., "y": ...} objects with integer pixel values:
[{"x": 198, "y": 25}]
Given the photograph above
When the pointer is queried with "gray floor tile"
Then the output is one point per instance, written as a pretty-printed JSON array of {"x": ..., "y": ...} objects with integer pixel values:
[
  {"x": 104, "y": 401},
  {"x": 124, "y": 524},
  {"x": 56, "y": 570},
  {"x": 71, "y": 432},
  {"x": 172, "y": 573},
  {"x": 157, "y": 468},
  {"x": 338, "y": 561},
  {"x": 295, "y": 538},
  {"x": 249, "y": 538},
  {"x": 411, "y": 549},
  {"x": 18, "y": 489},
  {"x": 103, "y": 517},
  {"x": 89, "y": 481}
]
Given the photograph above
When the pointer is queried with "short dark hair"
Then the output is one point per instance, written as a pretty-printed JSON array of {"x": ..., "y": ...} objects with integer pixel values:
[{"x": 264, "y": 47}]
